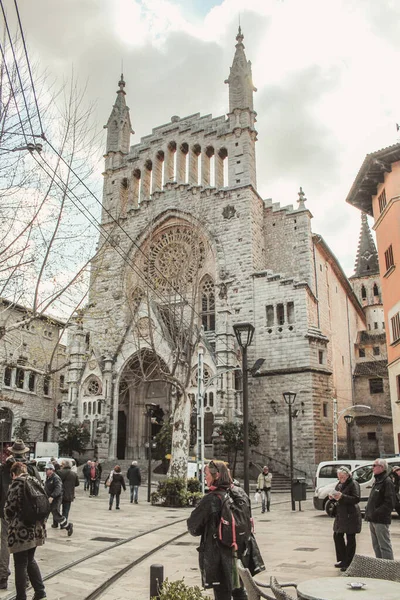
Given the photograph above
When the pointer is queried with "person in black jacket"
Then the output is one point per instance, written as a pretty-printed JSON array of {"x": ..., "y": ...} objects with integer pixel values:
[
  {"x": 347, "y": 518},
  {"x": 217, "y": 562},
  {"x": 54, "y": 490},
  {"x": 70, "y": 481},
  {"x": 135, "y": 479},
  {"x": 117, "y": 482},
  {"x": 18, "y": 452},
  {"x": 395, "y": 477},
  {"x": 379, "y": 508}
]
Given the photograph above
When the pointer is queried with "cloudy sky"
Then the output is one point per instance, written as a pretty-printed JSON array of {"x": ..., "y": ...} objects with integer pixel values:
[{"x": 328, "y": 91}]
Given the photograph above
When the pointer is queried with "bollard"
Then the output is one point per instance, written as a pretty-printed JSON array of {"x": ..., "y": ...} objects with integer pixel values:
[{"x": 156, "y": 580}]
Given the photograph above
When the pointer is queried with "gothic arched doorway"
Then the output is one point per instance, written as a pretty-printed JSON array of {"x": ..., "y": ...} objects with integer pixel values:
[{"x": 141, "y": 382}]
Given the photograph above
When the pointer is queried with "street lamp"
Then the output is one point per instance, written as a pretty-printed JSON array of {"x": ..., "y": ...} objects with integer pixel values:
[
  {"x": 336, "y": 418},
  {"x": 150, "y": 406},
  {"x": 349, "y": 421},
  {"x": 244, "y": 334},
  {"x": 290, "y": 397}
]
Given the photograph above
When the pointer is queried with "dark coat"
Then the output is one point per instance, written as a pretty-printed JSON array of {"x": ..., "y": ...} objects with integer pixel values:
[
  {"x": 70, "y": 481},
  {"x": 5, "y": 477},
  {"x": 381, "y": 500},
  {"x": 348, "y": 514},
  {"x": 86, "y": 470},
  {"x": 133, "y": 475},
  {"x": 215, "y": 560},
  {"x": 117, "y": 483},
  {"x": 53, "y": 486},
  {"x": 20, "y": 536}
]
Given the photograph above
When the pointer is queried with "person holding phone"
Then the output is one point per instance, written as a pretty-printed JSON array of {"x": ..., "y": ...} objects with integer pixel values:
[{"x": 347, "y": 519}]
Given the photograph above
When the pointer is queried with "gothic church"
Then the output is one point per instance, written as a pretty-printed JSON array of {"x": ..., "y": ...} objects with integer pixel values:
[{"x": 181, "y": 208}]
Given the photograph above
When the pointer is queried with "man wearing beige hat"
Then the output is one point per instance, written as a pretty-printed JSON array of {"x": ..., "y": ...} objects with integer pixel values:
[{"x": 18, "y": 453}]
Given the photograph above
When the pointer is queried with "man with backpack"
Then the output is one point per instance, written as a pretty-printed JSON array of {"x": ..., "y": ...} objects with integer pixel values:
[
  {"x": 223, "y": 520},
  {"x": 54, "y": 491},
  {"x": 18, "y": 453},
  {"x": 25, "y": 535}
]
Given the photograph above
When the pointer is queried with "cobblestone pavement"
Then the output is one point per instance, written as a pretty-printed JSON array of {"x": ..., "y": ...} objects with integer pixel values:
[{"x": 295, "y": 545}]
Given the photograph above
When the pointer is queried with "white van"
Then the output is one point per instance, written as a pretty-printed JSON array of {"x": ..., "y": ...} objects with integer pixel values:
[
  {"x": 362, "y": 474},
  {"x": 326, "y": 479},
  {"x": 43, "y": 460}
]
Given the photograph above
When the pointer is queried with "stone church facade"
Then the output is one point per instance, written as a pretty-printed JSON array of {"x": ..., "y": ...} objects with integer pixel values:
[{"x": 181, "y": 208}]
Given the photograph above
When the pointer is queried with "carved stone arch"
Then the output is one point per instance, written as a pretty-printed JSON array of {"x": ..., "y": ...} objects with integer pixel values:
[{"x": 140, "y": 381}]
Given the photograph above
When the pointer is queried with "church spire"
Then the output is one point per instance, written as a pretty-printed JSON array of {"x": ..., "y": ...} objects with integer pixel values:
[
  {"x": 240, "y": 78},
  {"x": 367, "y": 256},
  {"x": 119, "y": 123}
]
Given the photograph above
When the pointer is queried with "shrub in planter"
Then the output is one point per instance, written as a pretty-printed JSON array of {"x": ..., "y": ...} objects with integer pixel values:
[
  {"x": 193, "y": 485},
  {"x": 176, "y": 492},
  {"x": 178, "y": 590}
]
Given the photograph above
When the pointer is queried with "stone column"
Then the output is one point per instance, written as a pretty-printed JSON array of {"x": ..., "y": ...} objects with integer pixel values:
[
  {"x": 219, "y": 171},
  {"x": 193, "y": 167},
  {"x": 157, "y": 174},
  {"x": 169, "y": 165},
  {"x": 205, "y": 169}
]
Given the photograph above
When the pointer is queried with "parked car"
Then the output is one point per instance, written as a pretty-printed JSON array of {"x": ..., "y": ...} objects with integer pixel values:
[{"x": 364, "y": 477}]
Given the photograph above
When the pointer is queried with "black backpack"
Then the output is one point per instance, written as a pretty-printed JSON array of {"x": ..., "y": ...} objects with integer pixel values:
[
  {"x": 35, "y": 503},
  {"x": 236, "y": 523}
]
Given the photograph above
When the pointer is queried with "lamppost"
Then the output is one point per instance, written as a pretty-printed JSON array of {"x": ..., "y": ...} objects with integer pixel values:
[
  {"x": 244, "y": 334},
  {"x": 336, "y": 418},
  {"x": 290, "y": 398},
  {"x": 150, "y": 406},
  {"x": 349, "y": 421}
]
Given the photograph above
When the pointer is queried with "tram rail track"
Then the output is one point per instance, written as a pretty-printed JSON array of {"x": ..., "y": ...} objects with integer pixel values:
[
  {"x": 110, "y": 581},
  {"x": 97, "y": 592}
]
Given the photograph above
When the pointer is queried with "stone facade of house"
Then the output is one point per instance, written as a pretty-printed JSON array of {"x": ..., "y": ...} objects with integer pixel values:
[{"x": 32, "y": 381}]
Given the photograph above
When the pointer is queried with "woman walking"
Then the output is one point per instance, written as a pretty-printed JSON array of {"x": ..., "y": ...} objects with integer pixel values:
[
  {"x": 347, "y": 519},
  {"x": 218, "y": 562},
  {"x": 23, "y": 539},
  {"x": 116, "y": 483}
]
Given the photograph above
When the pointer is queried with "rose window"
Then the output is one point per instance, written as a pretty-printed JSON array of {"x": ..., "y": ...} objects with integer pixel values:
[
  {"x": 174, "y": 258},
  {"x": 93, "y": 387}
]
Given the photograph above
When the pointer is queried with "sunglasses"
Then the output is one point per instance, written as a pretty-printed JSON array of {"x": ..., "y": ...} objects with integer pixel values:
[{"x": 213, "y": 465}]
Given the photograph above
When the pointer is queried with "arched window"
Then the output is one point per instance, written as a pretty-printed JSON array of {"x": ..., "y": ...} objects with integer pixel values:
[
  {"x": 363, "y": 292},
  {"x": 376, "y": 290},
  {"x": 7, "y": 376},
  {"x": 84, "y": 408},
  {"x": 93, "y": 387},
  {"x": 207, "y": 294}
]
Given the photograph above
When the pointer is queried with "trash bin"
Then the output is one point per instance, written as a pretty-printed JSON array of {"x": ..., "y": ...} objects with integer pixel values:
[{"x": 299, "y": 489}]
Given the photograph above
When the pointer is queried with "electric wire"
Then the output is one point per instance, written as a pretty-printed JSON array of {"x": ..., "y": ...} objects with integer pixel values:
[{"x": 97, "y": 225}]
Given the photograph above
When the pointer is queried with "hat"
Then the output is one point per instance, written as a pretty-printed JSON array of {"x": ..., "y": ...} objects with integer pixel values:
[
  {"x": 50, "y": 466},
  {"x": 18, "y": 447}
]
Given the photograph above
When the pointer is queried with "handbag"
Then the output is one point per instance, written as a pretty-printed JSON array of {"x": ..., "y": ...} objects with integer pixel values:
[{"x": 257, "y": 497}]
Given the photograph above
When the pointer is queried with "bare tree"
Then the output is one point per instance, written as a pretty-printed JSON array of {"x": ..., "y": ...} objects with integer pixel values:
[{"x": 48, "y": 215}]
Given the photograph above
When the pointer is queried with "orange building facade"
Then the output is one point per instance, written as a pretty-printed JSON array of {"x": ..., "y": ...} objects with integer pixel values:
[{"x": 376, "y": 191}]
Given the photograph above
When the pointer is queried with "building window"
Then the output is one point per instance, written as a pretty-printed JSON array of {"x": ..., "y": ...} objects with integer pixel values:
[
  {"x": 7, "y": 376},
  {"x": 389, "y": 261},
  {"x": 93, "y": 387},
  {"x": 395, "y": 323},
  {"x": 376, "y": 350},
  {"x": 89, "y": 408},
  {"x": 208, "y": 304},
  {"x": 363, "y": 292},
  {"x": 32, "y": 381},
  {"x": 375, "y": 325},
  {"x": 361, "y": 352},
  {"x": 321, "y": 357},
  {"x": 382, "y": 200},
  {"x": 270, "y": 315},
  {"x": 290, "y": 312},
  {"x": 383, "y": 324},
  {"x": 371, "y": 435},
  {"x": 46, "y": 385},
  {"x": 376, "y": 386},
  {"x": 99, "y": 407},
  {"x": 59, "y": 411},
  {"x": 62, "y": 382},
  {"x": 280, "y": 314},
  {"x": 84, "y": 408},
  {"x": 325, "y": 409},
  {"x": 19, "y": 380},
  {"x": 375, "y": 290}
]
